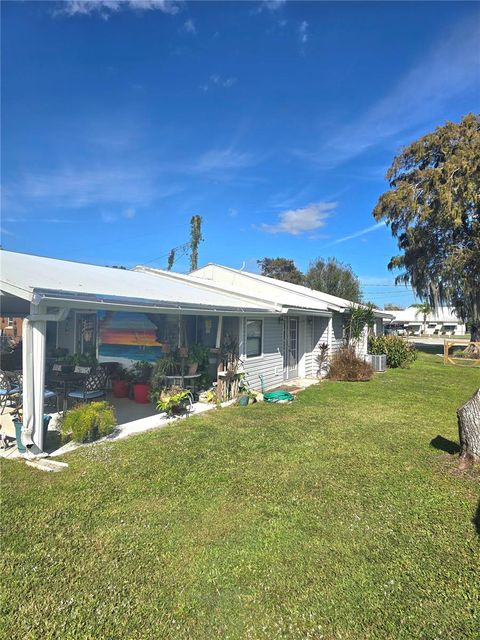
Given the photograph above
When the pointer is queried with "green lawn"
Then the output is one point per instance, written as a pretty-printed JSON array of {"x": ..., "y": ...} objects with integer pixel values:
[{"x": 331, "y": 518}]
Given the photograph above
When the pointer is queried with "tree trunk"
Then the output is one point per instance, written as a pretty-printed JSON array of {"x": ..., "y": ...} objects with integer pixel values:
[
  {"x": 473, "y": 350},
  {"x": 469, "y": 429}
]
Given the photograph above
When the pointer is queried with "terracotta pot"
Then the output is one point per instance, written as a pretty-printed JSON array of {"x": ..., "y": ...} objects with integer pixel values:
[
  {"x": 192, "y": 368},
  {"x": 141, "y": 393},
  {"x": 120, "y": 388}
]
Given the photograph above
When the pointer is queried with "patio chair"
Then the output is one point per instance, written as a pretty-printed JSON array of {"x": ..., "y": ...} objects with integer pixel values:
[
  {"x": 10, "y": 391},
  {"x": 93, "y": 386},
  {"x": 49, "y": 396}
]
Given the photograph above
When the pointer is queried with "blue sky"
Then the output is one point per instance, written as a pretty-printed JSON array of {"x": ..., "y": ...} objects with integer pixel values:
[{"x": 275, "y": 121}]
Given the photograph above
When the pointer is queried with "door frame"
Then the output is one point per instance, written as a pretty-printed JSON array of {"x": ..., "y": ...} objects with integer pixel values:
[{"x": 287, "y": 369}]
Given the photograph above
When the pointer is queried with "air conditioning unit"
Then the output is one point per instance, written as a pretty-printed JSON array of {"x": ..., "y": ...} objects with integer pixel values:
[{"x": 379, "y": 363}]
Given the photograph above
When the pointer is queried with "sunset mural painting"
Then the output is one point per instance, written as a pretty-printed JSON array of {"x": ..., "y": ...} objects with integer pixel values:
[{"x": 127, "y": 335}]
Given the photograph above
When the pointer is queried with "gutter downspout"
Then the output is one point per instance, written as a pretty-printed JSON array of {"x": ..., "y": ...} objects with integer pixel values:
[{"x": 33, "y": 363}]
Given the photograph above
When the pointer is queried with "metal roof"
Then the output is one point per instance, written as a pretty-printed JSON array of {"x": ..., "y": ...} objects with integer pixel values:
[
  {"x": 61, "y": 283},
  {"x": 277, "y": 291},
  {"x": 223, "y": 280}
]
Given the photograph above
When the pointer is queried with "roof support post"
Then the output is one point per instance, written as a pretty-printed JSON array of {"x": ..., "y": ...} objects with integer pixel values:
[
  {"x": 34, "y": 338},
  {"x": 33, "y": 364},
  {"x": 219, "y": 332},
  {"x": 329, "y": 334}
]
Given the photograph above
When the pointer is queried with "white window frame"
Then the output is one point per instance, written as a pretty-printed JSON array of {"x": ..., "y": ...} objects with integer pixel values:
[{"x": 260, "y": 355}]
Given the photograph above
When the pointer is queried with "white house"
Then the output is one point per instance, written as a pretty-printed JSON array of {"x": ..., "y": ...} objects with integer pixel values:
[
  {"x": 442, "y": 321},
  {"x": 128, "y": 315}
]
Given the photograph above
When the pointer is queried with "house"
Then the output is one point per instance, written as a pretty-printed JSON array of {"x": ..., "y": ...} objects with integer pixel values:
[
  {"x": 290, "y": 341},
  {"x": 441, "y": 321},
  {"x": 11, "y": 327},
  {"x": 129, "y": 315}
]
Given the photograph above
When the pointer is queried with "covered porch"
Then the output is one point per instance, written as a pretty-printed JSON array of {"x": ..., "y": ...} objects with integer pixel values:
[{"x": 111, "y": 316}]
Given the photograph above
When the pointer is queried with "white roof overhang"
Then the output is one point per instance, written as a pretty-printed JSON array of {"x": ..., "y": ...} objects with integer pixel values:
[{"x": 58, "y": 283}]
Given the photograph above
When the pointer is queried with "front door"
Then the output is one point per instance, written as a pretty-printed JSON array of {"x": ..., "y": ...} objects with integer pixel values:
[{"x": 291, "y": 348}]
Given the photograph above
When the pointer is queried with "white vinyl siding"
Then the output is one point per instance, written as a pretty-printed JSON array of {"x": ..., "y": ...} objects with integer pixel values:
[
  {"x": 270, "y": 363},
  {"x": 317, "y": 333},
  {"x": 337, "y": 333}
]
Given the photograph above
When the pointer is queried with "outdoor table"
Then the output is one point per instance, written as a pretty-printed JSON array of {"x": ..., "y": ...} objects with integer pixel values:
[
  {"x": 188, "y": 380},
  {"x": 63, "y": 382}
]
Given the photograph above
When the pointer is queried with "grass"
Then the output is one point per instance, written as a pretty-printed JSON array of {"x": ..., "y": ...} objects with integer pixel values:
[{"x": 332, "y": 518}]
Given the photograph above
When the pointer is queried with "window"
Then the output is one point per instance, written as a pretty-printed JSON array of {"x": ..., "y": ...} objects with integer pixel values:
[
  {"x": 254, "y": 338},
  {"x": 9, "y": 323}
]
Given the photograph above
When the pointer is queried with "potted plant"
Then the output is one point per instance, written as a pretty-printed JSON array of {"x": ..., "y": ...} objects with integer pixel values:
[
  {"x": 246, "y": 397},
  {"x": 141, "y": 374},
  {"x": 66, "y": 364},
  {"x": 120, "y": 379},
  {"x": 197, "y": 356},
  {"x": 174, "y": 400},
  {"x": 183, "y": 352}
]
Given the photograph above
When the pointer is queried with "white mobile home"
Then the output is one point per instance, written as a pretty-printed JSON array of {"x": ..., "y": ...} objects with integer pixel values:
[{"x": 130, "y": 315}]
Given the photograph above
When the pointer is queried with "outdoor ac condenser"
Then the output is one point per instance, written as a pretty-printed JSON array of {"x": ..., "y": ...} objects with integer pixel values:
[{"x": 379, "y": 363}]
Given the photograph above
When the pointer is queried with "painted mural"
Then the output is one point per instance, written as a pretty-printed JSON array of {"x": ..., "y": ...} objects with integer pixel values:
[{"x": 127, "y": 335}]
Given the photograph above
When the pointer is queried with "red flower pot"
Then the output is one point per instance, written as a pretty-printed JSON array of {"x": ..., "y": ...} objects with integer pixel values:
[
  {"x": 120, "y": 388},
  {"x": 141, "y": 393}
]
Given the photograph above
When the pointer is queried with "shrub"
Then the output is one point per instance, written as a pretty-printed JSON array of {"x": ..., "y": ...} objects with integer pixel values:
[
  {"x": 87, "y": 422},
  {"x": 346, "y": 366},
  {"x": 399, "y": 352}
]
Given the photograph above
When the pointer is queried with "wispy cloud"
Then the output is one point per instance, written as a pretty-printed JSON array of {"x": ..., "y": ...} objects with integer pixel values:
[
  {"x": 447, "y": 71},
  {"x": 269, "y": 5},
  {"x": 221, "y": 160},
  {"x": 303, "y": 32},
  {"x": 42, "y": 220},
  {"x": 218, "y": 81},
  {"x": 105, "y": 8},
  {"x": 189, "y": 27},
  {"x": 358, "y": 234},
  {"x": 6, "y": 232},
  {"x": 75, "y": 188},
  {"x": 108, "y": 216},
  {"x": 297, "y": 221}
]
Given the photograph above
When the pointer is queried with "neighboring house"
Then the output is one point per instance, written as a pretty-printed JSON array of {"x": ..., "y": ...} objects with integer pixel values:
[
  {"x": 128, "y": 315},
  {"x": 442, "y": 321},
  {"x": 11, "y": 327}
]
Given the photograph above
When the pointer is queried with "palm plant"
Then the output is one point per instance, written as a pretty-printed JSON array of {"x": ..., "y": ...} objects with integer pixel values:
[{"x": 425, "y": 309}]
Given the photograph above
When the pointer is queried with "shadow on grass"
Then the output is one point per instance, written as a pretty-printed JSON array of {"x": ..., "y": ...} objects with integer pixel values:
[
  {"x": 426, "y": 347},
  {"x": 476, "y": 519},
  {"x": 443, "y": 444}
]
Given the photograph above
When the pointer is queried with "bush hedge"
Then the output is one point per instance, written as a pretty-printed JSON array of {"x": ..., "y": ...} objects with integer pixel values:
[
  {"x": 346, "y": 366},
  {"x": 399, "y": 352}
]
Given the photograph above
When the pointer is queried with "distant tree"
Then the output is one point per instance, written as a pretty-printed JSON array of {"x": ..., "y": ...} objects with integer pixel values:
[
  {"x": 195, "y": 239},
  {"x": 333, "y": 277},
  {"x": 391, "y": 306},
  {"x": 280, "y": 269},
  {"x": 433, "y": 209},
  {"x": 425, "y": 309},
  {"x": 116, "y": 266}
]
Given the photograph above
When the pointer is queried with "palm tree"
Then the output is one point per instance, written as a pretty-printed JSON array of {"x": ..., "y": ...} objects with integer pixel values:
[{"x": 425, "y": 309}]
